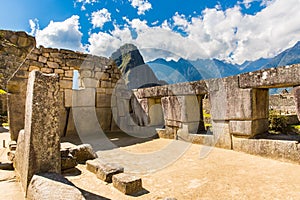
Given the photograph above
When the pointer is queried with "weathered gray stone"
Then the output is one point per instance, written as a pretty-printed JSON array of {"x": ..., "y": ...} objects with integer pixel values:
[
  {"x": 93, "y": 165},
  {"x": 16, "y": 109},
  {"x": 68, "y": 162},
  {"x": 38, "y": 149},
  {"x": 276, "y": 149},
  {"x": 84, "y": 98},
  {"x": 103, "y": 101},
  {"x": 156, "y": 115},
  {"x": 68, "y": 98},
  {"x": 106, "y": 171},
  {"x": 52, "y": 186},
  {"x": 296, "y": 92},
  {"x": 83, "y": 153},
  {"x": 222, "y": 136},
  {"x": 249, "y": 127},
  {"x": 127, "y": 184},
  {"x": 104, "y": 116},
  {"x": 286, "y": 76}
]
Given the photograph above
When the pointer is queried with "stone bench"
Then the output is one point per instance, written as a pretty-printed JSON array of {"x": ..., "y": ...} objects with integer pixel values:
[{"x": 127, "y": 184}]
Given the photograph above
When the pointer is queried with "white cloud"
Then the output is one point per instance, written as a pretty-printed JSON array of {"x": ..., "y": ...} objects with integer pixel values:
[
  {"x": 84, "y": 2},
  {"x": 228, "y": 35},
  {"x": 141, "y": 5},
  {"x": 100, "y": 17},
  {"x": 104, "y": 44},
  {"x": 34, "y": 26},
  {"x": 64, "y": 34}
]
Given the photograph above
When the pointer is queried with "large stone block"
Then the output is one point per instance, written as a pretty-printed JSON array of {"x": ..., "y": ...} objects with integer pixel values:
[
  {"x": 156, "y": 115},
  {"x": 105, "y": 172},
  {"x": 171, "y": 108},
  {"x": 16, "y": 106},
  {"x": 276, "y": 149},
  {"x": 84, "y": 97},
  {"x": 104, "y": 116},
  {"x": 286, "y": 76},
  {"x": 41, "y": 141},
  {"x": 249, "y": 127},
  {"x": 83, "y": 152},
  {"x": 68, "y": 98},
  {"x": 103, "y": 101},
  {"x": 52, "y": 186},
  {"x": 222, "y": 136},
  {"x": 296, "y": 93},
  {"x": 127, "y": 184}
]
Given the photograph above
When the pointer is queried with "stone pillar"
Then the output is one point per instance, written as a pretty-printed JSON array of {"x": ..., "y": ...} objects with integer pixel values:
[
  {"x": 38, "y": 147},
  {"x": 237, "y": 111},
  {"x": 296, "y": 93}
]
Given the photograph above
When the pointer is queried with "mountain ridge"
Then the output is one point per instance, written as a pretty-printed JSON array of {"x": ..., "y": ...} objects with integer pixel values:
[{"x": 189, "y": 70}]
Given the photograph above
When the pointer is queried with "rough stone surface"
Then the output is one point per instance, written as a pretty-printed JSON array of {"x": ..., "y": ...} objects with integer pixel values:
[
  {"x": 127, "y": 184},
  {"x": 93, "y": 165},
  {"x": 83, "y": 153},
  {"x": 286, "y": 76},
  {"x": 52, "y": 186},
  {"x": 249, "y": 127},
  {"x": 296, "y": 92},
  {"x": 105, "y": 172},
  {"x": 276, "y": 149},
  {"x": 68, "y": 162},
  {"x": 38, "y": 147}
]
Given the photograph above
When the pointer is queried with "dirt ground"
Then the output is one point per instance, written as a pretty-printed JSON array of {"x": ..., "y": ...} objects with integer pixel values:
[{"x": 222, "y": 174}]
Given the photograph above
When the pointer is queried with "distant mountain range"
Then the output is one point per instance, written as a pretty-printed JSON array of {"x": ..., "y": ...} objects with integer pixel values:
[{"x": 187, "y": 70}]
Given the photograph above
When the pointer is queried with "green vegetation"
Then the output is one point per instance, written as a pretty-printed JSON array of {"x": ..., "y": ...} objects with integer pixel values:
[
  {"x": 5, "y": 124},
  {"x": 295, "y": 126},
  {"x": 207, "y": 117},
  {"x": 2, "y": 91},
  {"x": 277, "y": 122}
]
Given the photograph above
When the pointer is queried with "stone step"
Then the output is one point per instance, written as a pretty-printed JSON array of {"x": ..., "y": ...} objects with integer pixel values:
[
  {"x": 127, "y": 183},
  {"x": 104, "y": 171}
]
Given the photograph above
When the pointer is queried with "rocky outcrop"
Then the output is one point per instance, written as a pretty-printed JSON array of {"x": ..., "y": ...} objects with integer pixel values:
[{"x": 136, "y": 73}]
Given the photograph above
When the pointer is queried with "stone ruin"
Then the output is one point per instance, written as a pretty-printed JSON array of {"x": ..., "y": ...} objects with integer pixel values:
[{"x": 42, "y": 99}]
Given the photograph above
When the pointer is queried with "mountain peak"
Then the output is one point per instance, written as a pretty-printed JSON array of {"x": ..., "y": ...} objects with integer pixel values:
[{"x": 127, "y": 57}]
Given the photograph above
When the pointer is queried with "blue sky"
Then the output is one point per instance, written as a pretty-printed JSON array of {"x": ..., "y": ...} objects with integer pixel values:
[{"x": 230, "y": 30}]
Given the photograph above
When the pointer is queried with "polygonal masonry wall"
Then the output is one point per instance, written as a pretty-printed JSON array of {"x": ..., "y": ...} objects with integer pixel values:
[{"x": 96, "y": 72}]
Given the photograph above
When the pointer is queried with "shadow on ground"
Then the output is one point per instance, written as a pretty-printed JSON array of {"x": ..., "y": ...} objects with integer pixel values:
[{"x": 118, "y": 139}]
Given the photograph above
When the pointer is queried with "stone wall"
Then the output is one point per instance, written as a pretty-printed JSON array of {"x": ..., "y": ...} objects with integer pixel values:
[
  {"x": 284, "y": 103},
  {"x": 239, "y": 105},
  {"x": 21, "y": 57},
  {"x": 14, "y": 47}
]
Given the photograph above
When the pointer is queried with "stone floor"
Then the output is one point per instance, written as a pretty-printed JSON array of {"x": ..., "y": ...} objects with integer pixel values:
[{"x": 217, "y": 174}]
